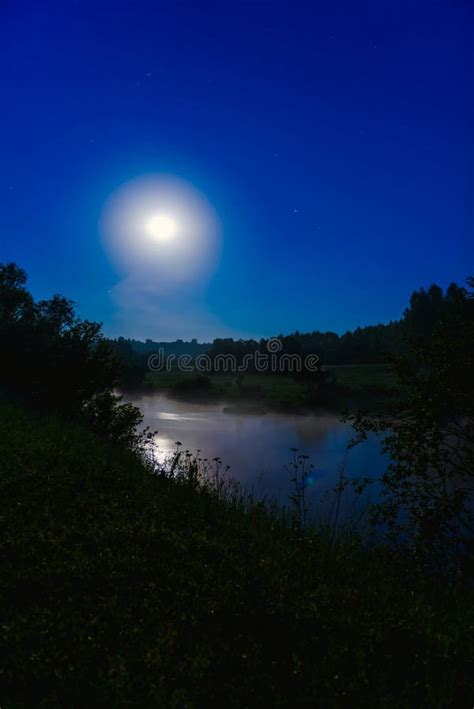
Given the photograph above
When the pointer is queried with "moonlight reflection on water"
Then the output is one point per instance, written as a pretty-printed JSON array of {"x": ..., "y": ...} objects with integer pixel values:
[{"x": 258, "y": 447}]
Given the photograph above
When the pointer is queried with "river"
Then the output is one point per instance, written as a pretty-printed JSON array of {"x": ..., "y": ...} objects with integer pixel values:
[{"x": 258, "y": 447}]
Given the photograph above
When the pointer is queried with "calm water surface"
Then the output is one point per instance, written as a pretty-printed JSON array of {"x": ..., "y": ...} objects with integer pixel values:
[{"x": 257, "y": 447}]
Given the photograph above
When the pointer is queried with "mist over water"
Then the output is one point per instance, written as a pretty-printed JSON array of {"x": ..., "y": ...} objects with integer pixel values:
[{"x": 257, "y": 447}]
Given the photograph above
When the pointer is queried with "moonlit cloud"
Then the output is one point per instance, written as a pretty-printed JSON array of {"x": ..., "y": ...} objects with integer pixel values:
[{"x": 143, "y": 313}]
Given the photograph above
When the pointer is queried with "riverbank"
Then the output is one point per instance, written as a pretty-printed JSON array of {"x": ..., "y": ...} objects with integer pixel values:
[
  {"x": 347, "y": 387},
  {"x": 119, "y": 587}
]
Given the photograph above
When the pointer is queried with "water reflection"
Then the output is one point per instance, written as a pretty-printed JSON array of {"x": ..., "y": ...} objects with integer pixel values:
[{"x": 258, "y": 447}]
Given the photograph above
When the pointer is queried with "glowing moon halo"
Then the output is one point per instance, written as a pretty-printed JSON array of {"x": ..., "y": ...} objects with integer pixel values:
[
  {"x": 161, "y": 227},
  {"x": 161, "y": 232}
]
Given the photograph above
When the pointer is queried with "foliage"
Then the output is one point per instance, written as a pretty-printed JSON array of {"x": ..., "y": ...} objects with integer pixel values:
[
  {"x": 344, "y": 387},
  {"x": 428, "y": 432},
  {"x": 119, "y": 587},
  {"x": 56, "y": 361},
  {"x": 120, "y": 423},
  {"x": 133, "y": 365},
  {"x": 299, "y": 470},
  {"x": 364, "y": 345},
  {"x": 429, "y": 308}
]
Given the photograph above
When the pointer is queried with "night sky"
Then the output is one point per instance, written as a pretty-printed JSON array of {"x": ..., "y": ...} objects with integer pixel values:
[{"x": 333, "y": 140}]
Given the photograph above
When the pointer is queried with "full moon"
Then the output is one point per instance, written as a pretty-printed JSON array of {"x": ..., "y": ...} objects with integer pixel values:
[
  {"x": 161, "y": 227},
  {"x": 161, "y": 231}
]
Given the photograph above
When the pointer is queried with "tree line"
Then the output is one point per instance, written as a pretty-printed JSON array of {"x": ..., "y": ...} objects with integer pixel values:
[
  {"x": 55, "y": 361},
  {"x": 371, "y": 344}
]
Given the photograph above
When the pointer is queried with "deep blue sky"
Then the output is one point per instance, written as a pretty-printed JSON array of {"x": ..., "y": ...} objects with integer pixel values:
[{"x": 356, "y": 115}]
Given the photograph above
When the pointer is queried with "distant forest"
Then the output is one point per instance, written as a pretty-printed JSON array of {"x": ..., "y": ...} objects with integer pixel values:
[{"x": 365, "y": 345}]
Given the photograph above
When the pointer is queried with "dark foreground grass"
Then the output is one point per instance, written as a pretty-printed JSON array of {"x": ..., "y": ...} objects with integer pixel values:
[{"x": 119, "y": 588}]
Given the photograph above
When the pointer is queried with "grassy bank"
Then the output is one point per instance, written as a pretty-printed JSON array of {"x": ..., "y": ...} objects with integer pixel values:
[
  {"x": 348, "y": 385},
  {"x": 122, "y": 588}
]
